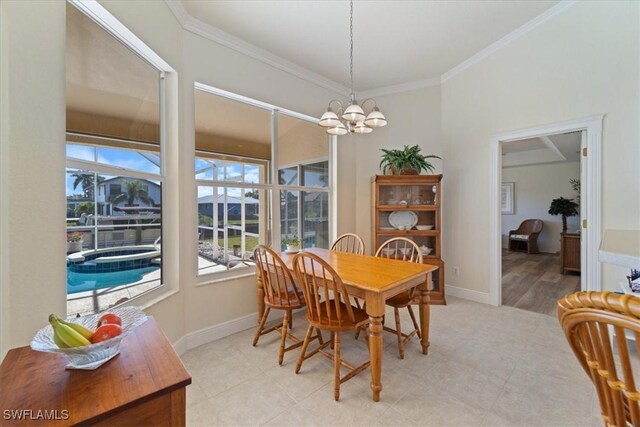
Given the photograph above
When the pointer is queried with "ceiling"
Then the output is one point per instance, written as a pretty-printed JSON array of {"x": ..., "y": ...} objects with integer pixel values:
[
  {"x": 546, "y": 149},
  {"x": 395, "y": 42}
]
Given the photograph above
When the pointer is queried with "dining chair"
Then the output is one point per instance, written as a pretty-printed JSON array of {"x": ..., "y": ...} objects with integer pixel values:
[
  {"x": 349, "y": 242},
  {"x": 403, "y": 249},
  {"x": 280, "y": 293},
  {"x": 598, "y": 326},
  {"x": 328, "y": 309}
]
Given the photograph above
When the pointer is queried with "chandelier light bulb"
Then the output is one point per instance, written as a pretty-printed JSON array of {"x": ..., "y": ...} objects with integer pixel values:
[
  {"x": 354, "y": 113},
  {"x": 339, "y": 130},
  {"x": 329, "y": 119},
  {"x": 362, "y": 128},
  {"x": 375, "y": 119}
]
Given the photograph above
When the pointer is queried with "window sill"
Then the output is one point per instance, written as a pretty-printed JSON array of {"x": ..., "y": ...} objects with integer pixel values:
[{"x": 213, "y": 278}]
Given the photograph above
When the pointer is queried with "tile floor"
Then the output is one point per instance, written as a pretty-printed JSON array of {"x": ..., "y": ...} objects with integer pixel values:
[{"x": 487, "y": 366}]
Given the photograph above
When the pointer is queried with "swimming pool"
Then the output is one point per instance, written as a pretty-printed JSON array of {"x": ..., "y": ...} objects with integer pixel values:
[
  {"x": 82, "y": 282},
  {"x": 112, "y": 260}
]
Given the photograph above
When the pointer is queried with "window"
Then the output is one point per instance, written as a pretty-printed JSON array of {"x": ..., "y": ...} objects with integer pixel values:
[
  {"x": 114, "y": 180},
  {"x": 233, "y": 169}
]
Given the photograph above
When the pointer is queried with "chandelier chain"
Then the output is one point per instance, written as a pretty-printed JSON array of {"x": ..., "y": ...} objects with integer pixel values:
[{"x": 351, "y": 47}]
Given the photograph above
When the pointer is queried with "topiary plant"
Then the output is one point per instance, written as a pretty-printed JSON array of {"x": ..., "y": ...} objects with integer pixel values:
[
  {"x": 564, "y": 207},
  {"x": 406, "y": 160}
]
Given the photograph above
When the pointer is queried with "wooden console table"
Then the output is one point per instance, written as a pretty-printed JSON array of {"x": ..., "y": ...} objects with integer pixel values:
[
  {"x": 570, "y": 253},
  {"x": 144, "y": 385}
]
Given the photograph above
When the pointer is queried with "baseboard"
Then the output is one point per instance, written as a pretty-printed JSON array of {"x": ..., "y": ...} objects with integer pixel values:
[
  {"x": 180, "y": 346},
  {"x": 469, "y": 294},
  {"x": 222, "y": 330}
]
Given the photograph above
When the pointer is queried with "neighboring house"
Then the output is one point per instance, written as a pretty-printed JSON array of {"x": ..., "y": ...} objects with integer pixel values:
[{"x": 110, "y": 188}]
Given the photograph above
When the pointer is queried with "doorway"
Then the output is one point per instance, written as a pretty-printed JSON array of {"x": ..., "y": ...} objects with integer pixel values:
[
  {"x": 590, "y": 129},
  {"x": 540, "y": 196}
]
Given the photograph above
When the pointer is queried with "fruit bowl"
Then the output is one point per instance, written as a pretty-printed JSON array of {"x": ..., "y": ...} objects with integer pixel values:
[{"x": 94, "y": 355}]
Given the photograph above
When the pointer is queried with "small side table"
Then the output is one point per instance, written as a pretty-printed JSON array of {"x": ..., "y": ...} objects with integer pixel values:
[
  {"x": 144, "y": 385},
  {"x": 570, "y": 252}
]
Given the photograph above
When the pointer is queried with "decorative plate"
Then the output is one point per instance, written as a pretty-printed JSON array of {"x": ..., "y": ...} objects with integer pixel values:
[
  {"x": 403, "y": 219},
  {"x": 94, "y": 355}
]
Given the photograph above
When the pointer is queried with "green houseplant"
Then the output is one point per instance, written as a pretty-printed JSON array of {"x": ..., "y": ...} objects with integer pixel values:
[
  {"x": 292, "y": 243},
  {"x": 564, "y": 207},
  {"x": 74, "y": 241},
  {"x": 407, "y": 161}
]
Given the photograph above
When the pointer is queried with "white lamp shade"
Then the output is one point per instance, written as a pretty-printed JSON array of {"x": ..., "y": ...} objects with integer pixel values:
[
  {"x": 362, "y": 128},
  {"x": 375, "y": 119},
  {"x": 329, "y": 119},
  {"x": 353, "y": 113},
  {"x": 337, "y": 130}
]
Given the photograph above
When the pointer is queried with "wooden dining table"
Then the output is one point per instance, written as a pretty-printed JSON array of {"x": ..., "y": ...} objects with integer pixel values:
[{"x": 375, "y": 280}]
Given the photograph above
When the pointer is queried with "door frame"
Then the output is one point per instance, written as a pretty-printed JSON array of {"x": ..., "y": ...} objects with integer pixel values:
[{"x": 590, "y": 192}]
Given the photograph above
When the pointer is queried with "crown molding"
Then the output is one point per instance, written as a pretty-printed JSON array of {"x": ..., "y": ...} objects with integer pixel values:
[
  {"x": 403, "y": 87},
  {"x": 209, "y": 32},
  {"x": 195, "y": 26},
  {"x": 509, "y": 38}
]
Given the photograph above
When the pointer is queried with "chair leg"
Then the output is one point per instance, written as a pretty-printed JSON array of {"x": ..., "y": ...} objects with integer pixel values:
[
  {"x": 283, "y": 332},
  {"x": 307, "y": 338},
  {"x": 336, "y": 365},
  {"x": 413, "y": 319},
  {"x": 290, "y": 319},
  {"x": 261, "y": 325},
  {"x": 396, "y": 312}
]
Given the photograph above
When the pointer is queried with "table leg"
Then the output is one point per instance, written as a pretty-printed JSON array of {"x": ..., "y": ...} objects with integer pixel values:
[
  {"x": 375, "y": 310},
  {"x": 425, "y": 313},
  {"x": 260, "y": 297}
]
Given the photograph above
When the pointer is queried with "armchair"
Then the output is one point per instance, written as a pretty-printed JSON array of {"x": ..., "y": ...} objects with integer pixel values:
[{"x": 525, "y": 238}]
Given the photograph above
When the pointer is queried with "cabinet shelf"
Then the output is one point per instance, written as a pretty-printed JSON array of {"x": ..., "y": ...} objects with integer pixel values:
[{"x": 423, "y": 196}]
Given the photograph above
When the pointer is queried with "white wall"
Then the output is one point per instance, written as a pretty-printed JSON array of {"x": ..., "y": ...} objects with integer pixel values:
[
  {"x": 535, "y": 187},
  {"x": 33, "y": 148},
  {"x": 414, "y": 118},
  {"x": 584, "y": 61}
]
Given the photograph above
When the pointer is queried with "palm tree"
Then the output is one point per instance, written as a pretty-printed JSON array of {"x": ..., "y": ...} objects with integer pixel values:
[
  {"x": 87, "y": 180},
  {"x": 564, "y": 207},
  {"x": 134, "y": 190}
]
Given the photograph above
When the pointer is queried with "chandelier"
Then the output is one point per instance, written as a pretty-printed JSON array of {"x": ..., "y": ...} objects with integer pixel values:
[{"x": 352, "y": 119}]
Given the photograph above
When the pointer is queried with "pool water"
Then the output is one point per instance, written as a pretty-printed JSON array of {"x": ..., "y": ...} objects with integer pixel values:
[{"x": 82, "y": 282}]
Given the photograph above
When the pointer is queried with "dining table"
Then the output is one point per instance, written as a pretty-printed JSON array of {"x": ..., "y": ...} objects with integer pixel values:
[{"x": 375, "y": 280}]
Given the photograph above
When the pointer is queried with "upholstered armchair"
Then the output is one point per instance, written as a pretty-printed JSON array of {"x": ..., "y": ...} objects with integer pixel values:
[{"x": 525, "y": 238}]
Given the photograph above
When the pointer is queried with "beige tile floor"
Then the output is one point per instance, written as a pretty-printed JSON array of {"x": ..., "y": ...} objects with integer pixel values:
[{"x": 487, "y": 366}]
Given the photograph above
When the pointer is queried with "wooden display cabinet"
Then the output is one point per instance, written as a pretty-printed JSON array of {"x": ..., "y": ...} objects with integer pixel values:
[{"x": 405, "y": 199}]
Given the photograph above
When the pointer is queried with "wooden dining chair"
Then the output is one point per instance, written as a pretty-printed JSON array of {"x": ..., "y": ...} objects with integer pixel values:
[
  {"x": 403, "y": 249},
  {"x": 328, "y": 309},
  {"x": 598, "y": 326},
  {"x": 349, "y": 242},
  {"x": 280, "y": 293}
]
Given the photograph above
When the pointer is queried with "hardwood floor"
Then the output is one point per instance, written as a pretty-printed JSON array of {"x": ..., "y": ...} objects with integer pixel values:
[{"x": 535, "y": 282}]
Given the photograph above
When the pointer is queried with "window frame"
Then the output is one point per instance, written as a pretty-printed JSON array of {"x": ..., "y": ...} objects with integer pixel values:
[{"x": 272, "y": 235}]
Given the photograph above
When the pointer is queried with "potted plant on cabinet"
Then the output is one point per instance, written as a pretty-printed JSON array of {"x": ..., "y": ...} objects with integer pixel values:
[
  {"x": 74, "y": 242},
  {"x": 564, "y": 207},
  {"x": 292, "y": 243},
  {"x": 406, "y": 161}
]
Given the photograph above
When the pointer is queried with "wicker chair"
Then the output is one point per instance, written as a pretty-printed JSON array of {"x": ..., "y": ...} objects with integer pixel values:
[
  {"x": 329, "y": 309},
  {"x": 280, "y": 293},
  {"x": 525, "y": 238},
  {"x": 588, "y": 319}
]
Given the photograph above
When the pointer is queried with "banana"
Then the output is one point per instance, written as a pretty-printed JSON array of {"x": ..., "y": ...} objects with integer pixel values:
[
  {"x": 85, "y": 332},
  {"x": 66, "y": 334},
  {"x": 58, "y": 341}
]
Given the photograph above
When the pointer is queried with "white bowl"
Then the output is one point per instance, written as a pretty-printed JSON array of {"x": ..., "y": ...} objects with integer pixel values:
[
  {"x": 424, "y": 227},
  {"x": 94, "y": 355},
  {"x": 388, "y": 251}
]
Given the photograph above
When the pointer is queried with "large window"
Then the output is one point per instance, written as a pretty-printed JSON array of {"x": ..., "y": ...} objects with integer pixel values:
[
  {"x": 242, "y": 187},
  {"x": 114, "y": 180}
]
